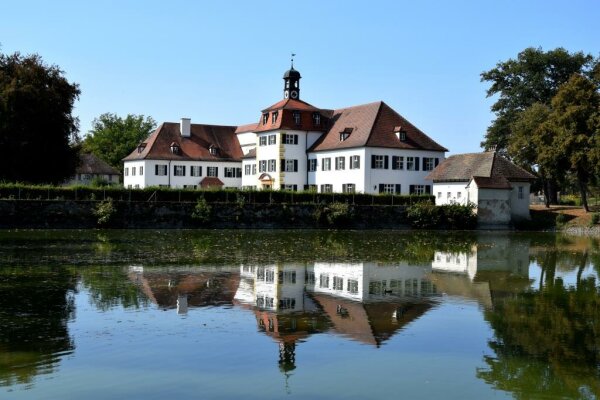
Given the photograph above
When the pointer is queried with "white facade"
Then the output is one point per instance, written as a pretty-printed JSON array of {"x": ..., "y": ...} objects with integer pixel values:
[
  {"x": 139, "y": 174},
  {"x": 451, "y": 193}
]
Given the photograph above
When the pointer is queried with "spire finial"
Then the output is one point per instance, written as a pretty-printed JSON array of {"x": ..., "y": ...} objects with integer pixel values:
[{"x": 293, "y": 55}]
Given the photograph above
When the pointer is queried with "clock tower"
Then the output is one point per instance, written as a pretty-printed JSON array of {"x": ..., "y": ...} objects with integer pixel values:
[{"x": 291, "y": 88}]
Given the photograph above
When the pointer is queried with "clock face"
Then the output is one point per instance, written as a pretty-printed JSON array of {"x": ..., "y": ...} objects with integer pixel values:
[
  {"x": 286, "y": 94},
  {"x": 294, "y": 94}
]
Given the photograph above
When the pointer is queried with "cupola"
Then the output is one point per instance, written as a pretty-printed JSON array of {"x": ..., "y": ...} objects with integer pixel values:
[{"x": 291, "y": 86}]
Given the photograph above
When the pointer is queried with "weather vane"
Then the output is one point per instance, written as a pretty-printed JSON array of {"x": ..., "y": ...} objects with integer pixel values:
[{"x": 293, "y": 55}]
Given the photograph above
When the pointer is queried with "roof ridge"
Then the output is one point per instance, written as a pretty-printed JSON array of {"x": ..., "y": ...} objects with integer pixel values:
[{"x": 371, "y": 129}]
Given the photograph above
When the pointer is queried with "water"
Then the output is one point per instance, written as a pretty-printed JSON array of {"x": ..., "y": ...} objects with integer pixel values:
[{"x": 310, "y": 314}]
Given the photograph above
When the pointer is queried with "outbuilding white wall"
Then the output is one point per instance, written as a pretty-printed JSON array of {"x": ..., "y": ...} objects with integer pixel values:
[
  {"x": 450, "y": 193},
  {"x": 520, "y": 206}
]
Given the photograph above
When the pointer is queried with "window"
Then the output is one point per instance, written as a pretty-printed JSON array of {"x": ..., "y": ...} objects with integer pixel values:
[
  {"x": 338, "y": 283},
  {"x": 274, "y": 117},
  {"x": 262, "y": 141},
  {"x": 379, "y": 162},
  {"x": 420, "y": 189},
  {"x": 458, "y": 195},
  {"x": 326, "y": 165},
  {"x": 272, "y": 139},
  {"x": 289, "y": 139},
  {"x": 196, "y": 170},
  {"x": 141, "y": 171},
  {"x": 287, "y": 303},
  {"x": 402, "y": 136},
  {"x": 296, "y": 115},
  {"x": 520, "y": 193},
  {"x": 160, "y": 169},
  {"x": 345, "y": 134},
  {"x": 324, "y": 281},
  {"x": 212, "y": 171},
  {"x": 316, "y": 117},
  {"x": 290, "y": 165},
  {"x": 428, "y": 163},
  {"x": 326, "y": 188},
  {"x": 354, "y": 162},
  {"x": 340, "y": 163},
  {"x": 397, "y": 162},
  {"x": 448, "y": 195},
  {"x": 412, "y": 163},
  {"x": 348, "y": 188},
  {"x": 291, "y": 188},
  {"x": 179, "y": 170},
  {"x": 386, "y": 188},
  {"x": 253, "y": 169},
  {"x": 213, "y": 150},
  {"x": 126, "y": 171},
  {"x": 229, "y": 172},
  {"x": 262, "y": 166},
  {"x": 311, "y": 188},
  {"x": 247, "y": 169},
  {"x": 439, "y": 195},
  {"x": 265, "y": 118},
  {"x": 309, "y": 278},
  {"x": 133, "y": 171},
  {"x": 287, "y": 277},
  {"x": 352, "y": 286},
  {"x": 389, "y": 188},
  {"x": 271, "y": 166},
  {"x": 312, "y": 165}
]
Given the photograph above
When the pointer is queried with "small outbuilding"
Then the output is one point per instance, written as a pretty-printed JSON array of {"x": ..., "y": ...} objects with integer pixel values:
[
  {"x": 92, "y": 168},
  {"x": 498, "y": 188}
]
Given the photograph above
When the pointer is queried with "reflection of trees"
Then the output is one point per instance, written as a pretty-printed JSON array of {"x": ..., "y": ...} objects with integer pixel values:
[
  {"x": 546, "y": 341},
  {"x": 109, "y": 286},
  {"x": 35, "y": 305}
]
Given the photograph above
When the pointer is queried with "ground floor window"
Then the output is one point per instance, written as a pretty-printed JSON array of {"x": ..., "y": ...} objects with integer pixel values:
[
  {"x": 212, "y": 171},
  {"x": 389, "y": 188},
  {"x": 348, "y": 188},
  {"x": 352, "y": 286},
  {"x": 196, "y": 170},
  {"x": 160, "y": 170},
  {"x": 338, "y": 283},
  {"x": 293, "y": 188},
  {"x": 420, "y": 189},
  {"x": 324, "y": 281},
  {"x": 179, "y": 170},
  {"x": 326, "y": 188}
]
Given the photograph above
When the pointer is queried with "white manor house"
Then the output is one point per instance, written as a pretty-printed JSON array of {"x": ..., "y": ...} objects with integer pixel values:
[{"x": 367, "y": 148}]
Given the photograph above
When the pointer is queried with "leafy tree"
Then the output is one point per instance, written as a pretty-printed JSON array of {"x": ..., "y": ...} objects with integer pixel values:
[
  {"x": 575, "y": 128},
  {"x": 112, "y": 138},
  {"x": 533, "y": 78},
  {"x": 36, "y": 121}
]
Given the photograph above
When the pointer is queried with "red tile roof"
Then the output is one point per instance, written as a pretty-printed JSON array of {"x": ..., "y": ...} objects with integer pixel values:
[
  {"x": 195, "y": 147},
  {"x": 246, "y": 128},
  {"x": 291, "y": 104},
  {"x": 373, "y": 125},
  {"x": 463, "y": 167},
  {"x": 498, "y": 182}
]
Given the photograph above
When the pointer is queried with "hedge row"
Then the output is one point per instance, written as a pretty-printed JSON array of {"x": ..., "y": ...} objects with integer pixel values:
[{"x": 154, "y": 194}]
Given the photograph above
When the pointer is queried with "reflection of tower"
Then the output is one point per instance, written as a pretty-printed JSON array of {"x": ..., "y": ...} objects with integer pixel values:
[{"x": 287, "y": 356}]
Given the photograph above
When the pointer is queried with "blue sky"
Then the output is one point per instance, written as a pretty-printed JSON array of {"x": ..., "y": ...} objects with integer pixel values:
[{"x": 222, "y": 62}]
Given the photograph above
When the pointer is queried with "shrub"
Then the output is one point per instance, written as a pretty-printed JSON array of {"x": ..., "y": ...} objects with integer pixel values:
[
  {"x": 459, "y": 216},
  {"x": 105, "y": 211},
  {"x": 202, "y": 211},
  {"x": 424, "y": 215},
  {"x": 595, "y": 219},
  {"x": 561, "y": 219}
]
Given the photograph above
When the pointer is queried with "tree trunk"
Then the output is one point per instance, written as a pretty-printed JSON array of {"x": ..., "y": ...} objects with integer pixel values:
[
  {"x": 550, "y": 191},
  {"x": 583, "y": 192}
]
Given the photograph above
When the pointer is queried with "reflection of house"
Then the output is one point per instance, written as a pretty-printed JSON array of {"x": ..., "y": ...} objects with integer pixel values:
[
  {"x": 466, "y": 274},
  {"x": 181, "y": 288},
  {"x": 92, "y": 168},
  {"x": 498, "y": 188}
]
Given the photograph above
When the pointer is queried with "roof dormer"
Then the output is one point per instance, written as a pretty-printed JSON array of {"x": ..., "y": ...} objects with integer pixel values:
[
  {"x": 214, "y": 150},
  {"x": 400, "y": 133},
  {"x": 345, "y": 134},
  {"x": 175, "y": 149}
]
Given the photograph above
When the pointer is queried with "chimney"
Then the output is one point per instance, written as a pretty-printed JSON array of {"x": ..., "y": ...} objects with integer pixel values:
[{"x": 184, "y": 126}]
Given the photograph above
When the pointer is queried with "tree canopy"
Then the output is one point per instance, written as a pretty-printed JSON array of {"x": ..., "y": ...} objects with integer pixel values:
[
  {"x": 36, "y": 121},
  {"x": 540, "y": 97},
  {"x": 112, "y": 138}
]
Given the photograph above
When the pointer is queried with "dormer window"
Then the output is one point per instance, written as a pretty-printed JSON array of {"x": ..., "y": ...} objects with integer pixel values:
[
  {"x": 213, "y": 150},
  {"x": 345, "y": 134},
  {"x": 274, "y": 117},
  {"x": 296, "y": 115},
  {"x": 265, "y": 118},
  {"x": 400, "y": 133},
  {"x": 141, "y": 147},
  {"x": 316, "y": 119},
  {"x": 174, "y": 148}
]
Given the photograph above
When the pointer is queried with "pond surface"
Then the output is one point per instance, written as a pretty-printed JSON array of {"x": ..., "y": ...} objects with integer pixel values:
[{"x": 308, "y": 315}]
